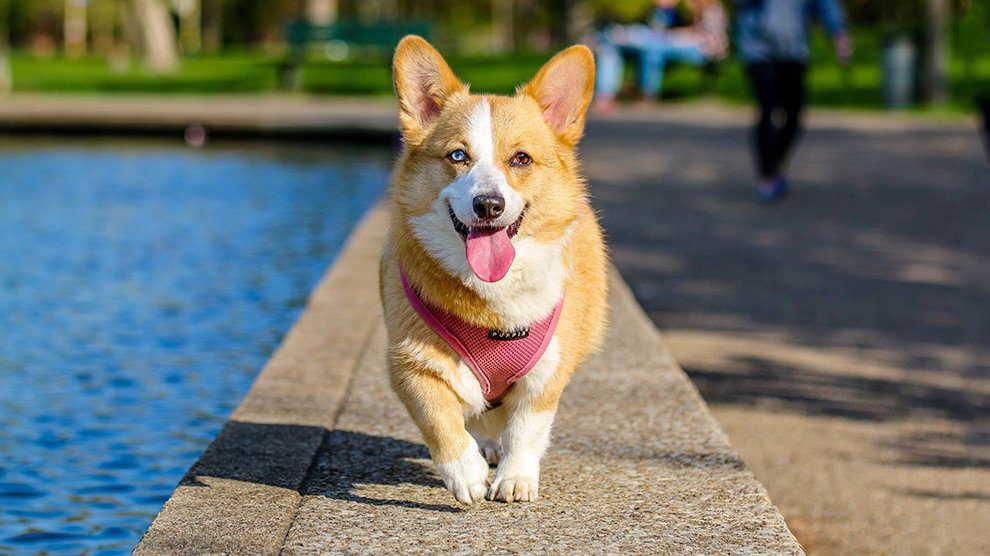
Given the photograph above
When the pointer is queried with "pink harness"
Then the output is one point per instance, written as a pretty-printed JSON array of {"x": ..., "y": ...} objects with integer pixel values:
[{"x": 496, "y": 358}]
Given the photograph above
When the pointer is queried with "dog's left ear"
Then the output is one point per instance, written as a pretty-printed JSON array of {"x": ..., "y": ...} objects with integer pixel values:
[{"x": 563, "y": 87}]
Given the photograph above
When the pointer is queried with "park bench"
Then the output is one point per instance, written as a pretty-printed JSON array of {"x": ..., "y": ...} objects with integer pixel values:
[{"x": 341, "y": 39}]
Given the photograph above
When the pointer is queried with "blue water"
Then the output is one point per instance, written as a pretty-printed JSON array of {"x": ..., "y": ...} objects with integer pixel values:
[{"x": 142, "y": 286}]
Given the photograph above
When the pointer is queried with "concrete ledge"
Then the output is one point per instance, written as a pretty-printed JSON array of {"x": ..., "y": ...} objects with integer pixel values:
[
  {"x": 357, "y": 119},
  {"x": 320, "y": 457},
  {"x": 243, "y": 115}
]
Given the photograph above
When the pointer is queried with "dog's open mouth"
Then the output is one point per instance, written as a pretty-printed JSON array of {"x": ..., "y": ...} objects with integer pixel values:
[
  {"x": 464, "y": 230},
  {"x": 488, "y": 249}
]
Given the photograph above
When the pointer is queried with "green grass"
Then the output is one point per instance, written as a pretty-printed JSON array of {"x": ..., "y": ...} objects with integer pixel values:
[
  {"x": 234, "y": 73},
  {"x": 491, "y": 74},
  {"x": 253, "y": 73},
  {"x": 858, "y": 86}
]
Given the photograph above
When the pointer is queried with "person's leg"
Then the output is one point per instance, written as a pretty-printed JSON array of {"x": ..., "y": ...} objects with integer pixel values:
[
  {"x": 686, "y": 53},
  {"x": 650, "y": 47},
  {"x": 984, "y": 103},
  {"x": 650, "y": 70},
  {"x": 763, "y": 82},
  {"x": 608, "y": 70},
  {"x": 791, "y": 84},
  {"x": 766, "y": 88},
  {"x": 667, "y": 53}
]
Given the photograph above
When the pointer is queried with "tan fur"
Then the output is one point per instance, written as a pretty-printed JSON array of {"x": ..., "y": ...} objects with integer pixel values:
[{"x": 434, "y": 117}]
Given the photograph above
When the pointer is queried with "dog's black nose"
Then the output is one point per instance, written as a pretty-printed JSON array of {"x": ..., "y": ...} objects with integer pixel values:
[{"x": 489, "y": 206}]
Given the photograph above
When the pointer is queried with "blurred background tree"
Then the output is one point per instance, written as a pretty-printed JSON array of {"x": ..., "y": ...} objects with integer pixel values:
[
  {"x": 479, "y": 25},
  {"x": 241, "y": 41},
  {"x": 5, "y": 77},
  {"x": 154, "y": 26}
]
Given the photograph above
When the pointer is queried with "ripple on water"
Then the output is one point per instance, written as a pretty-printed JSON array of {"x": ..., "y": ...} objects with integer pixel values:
[
  {"x": 141, "y": 288},
  {"x": 13, "y": 491}
]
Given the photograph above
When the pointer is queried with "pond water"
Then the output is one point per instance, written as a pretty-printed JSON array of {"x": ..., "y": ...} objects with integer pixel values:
[{"x": 142, "y": 286}]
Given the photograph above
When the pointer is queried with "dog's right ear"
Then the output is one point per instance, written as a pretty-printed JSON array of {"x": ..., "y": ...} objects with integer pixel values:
[{"x": 423, "y": 83}]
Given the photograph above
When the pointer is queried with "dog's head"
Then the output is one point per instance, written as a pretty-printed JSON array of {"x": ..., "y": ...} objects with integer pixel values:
[{"x": 489, "y": 183}]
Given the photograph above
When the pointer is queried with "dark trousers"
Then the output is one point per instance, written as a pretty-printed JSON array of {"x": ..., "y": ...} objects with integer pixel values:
[
  {"x": 984, "y": 103},
  {"x": 779, "y": 90}
]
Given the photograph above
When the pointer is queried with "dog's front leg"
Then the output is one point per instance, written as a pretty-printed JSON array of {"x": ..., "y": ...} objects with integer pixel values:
[
  {"x": 524, "y": 440},
  {"x": 439, "y": 415}
]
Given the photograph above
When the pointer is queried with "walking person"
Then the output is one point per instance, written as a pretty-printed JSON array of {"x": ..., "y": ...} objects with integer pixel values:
[{"x": 772, "y": 36}]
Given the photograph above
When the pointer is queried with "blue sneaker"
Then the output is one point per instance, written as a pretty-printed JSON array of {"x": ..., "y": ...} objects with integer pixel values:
[{"x": 774, "y": 191}]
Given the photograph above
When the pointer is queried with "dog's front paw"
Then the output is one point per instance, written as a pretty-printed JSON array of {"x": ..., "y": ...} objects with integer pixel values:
[
  {"x": 466, "y": 478},
  {"x": 517, "y": 488}
]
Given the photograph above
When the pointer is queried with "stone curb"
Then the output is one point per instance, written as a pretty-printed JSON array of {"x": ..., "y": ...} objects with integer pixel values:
[
  {"x": 357, "y": 118},
  {"x": 353, "y": 119},
  {"x": 241, "y": 495}
]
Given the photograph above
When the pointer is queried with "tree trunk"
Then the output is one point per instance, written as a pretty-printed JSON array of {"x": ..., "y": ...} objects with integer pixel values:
[
  {"x": 190, "y": 27},
  {"x": 560, "y": 22},
  {"x": 937, "y": 63},
  {"x": 503, "y": 28},
  {"x": 102, "y": 16},
  {"x": 161, "y": 52},
  {"x": 74, "y": 28},
  {"x": 321, "y": 12},
  {"x": 212, "y": 25},
  {"x": 580, "y": 20},
  {"x": 6, "y": 80}
]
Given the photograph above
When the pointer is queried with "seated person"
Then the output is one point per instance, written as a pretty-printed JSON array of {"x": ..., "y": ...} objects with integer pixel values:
[
  {"x": 654, "y": 46},
  {"x": 664, "y": 15}
]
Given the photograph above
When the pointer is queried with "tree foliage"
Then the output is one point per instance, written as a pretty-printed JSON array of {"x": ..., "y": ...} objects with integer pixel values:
[{"x": 465, "y": 24}]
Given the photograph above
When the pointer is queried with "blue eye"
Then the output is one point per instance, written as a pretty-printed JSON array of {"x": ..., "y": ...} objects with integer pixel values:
[{"x": 457, "y": 155}]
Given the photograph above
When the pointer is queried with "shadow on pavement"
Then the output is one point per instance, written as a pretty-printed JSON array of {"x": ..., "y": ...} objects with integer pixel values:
[
  {"x": 966, "y": 450},
  {"x": 349, "y": 459},
  {"x": 756, "y": 381},
  {"x": 941, "y": 495},
  {"x": 879, "y": 265},
  {"x": 280, "y": 456}
]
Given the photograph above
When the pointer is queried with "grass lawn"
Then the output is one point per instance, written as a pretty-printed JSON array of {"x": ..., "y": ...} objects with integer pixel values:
[
  {"x": 253, "y": 73},
  {"x": 229, "y": 73},
  {"x": 858, "y": 86}
]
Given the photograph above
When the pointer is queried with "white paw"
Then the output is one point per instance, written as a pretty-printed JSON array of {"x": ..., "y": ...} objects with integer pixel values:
[
  {"x": 515, "y": 489},
  {"x": 491, "y": 452},
  {"x": 466, "y": 478}
]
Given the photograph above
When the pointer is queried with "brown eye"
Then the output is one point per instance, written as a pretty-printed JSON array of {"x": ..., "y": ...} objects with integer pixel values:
[{"x": 521, "y": 159}]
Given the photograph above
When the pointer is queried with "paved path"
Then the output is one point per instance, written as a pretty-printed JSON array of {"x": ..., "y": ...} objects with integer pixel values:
[
  {"x": 842, "y": 338},
  {"x": 321, "y": 457}
]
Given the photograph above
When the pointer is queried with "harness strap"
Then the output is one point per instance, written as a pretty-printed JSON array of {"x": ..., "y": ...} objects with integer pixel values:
[{"x": 496, "y": 358}]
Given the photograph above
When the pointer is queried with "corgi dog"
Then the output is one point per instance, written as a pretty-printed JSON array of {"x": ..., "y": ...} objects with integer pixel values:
[{"x": 494, "y": 272}]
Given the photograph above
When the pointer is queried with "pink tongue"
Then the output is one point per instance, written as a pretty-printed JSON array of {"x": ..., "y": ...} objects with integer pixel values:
[{"x": 490, "y": 253}]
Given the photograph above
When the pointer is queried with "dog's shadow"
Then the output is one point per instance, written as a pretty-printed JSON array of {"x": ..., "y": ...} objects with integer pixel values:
[
  {"x": 277, "y": 455},
  {"x": 349, "y": 459}
]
